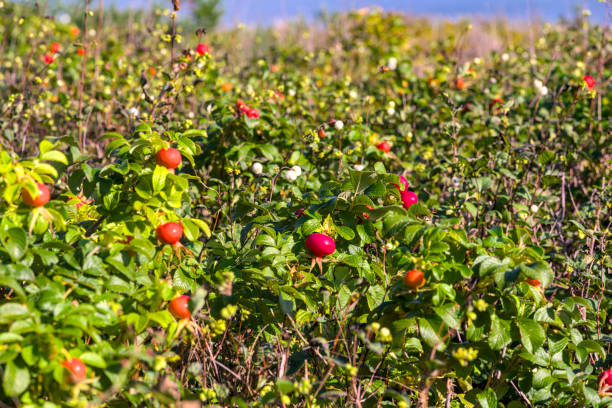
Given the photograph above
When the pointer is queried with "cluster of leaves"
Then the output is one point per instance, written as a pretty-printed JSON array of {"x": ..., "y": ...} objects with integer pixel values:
[{"x": 513, "y": 184}]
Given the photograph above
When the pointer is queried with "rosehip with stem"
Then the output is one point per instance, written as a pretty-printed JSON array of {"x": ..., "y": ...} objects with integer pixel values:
[
  {"x": 40, "y": 199},
  {"x": 77, "y": 369},
  {"x": 408, "y": 199},
  {"x": 320, "y": 245},
  {"x": 414, "y": 279},
  {"x": 178, "y": 307},
  {"x": 169, "y": 233},
  {"x": 170, "y": 158}
]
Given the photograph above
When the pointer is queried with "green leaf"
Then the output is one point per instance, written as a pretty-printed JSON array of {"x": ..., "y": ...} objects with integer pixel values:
[
  {"x": 54, "y": 155},
  {"x": 500, "y": 336},
  {"x": 310, "y": 226},
  {"x": 196, "y": 301},
  {"x": 93, "y": 359},
  {"x": 159, "y": 178},
  {"x": 16, "y": 379},
  {"x": 487, "y": 399},
  {"x": 532, "y": 334}
]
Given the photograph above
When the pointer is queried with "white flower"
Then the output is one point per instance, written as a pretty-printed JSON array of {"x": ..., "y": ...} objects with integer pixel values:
[
  {"x": 543, "y": 91},
  {"x": 291, "y": 175},
  {"x": 534, "y": 208},
  {"x": 392, "y": 63},
  {"x": 505, "y": 57},
  {"x": 339, "y": 125},
  {"x": 493, "y": 80},
  {"x": 133, "y": 111},
  {"x": 257, "y": 168},
  {"x": 297, "y": 170},
  {"x": 477, "y": 61},
  {"x": 292, "y": 92},
  {"x": 359, "y": 167},
  {"x": 537, "y": 83},
  {"x": 353, "y": 94},
  {"x": 390, "y": 111},
  {"x": 64, "y": 18}
]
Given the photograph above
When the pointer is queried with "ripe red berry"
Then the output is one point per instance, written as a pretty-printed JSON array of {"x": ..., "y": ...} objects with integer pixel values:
[
  {"x": 590, "y": 81},
  {"x": 48, "y": 58},
  {"x": 606, "y": 375},
  {"x": 320, "y": 244},
  {"x": 414, "y": 279},
  {"x": 202, "y": 49},
  {"x": 170, "y": 158},
  {"x": 322, "y": 134},
  {"x": 169, "y": 233},
  {"x": 460, "y": 83},
  {"x": 299, "y": 212},
  {"x": 252, "y": 113},
  {"x": 81, "y": 52},
  {"x": 404, "y": 182},
  {"x": 77, "y": 369},
  {"x": 55, "y": 47},
  {"x": 179, "y": 307},
  {"x": 384, "y": 146},
  {"x": 409, "y": 198},
  {"x": 41, "y": 198}
]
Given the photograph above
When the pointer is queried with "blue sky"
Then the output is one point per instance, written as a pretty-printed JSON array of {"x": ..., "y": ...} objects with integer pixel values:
[{"x": 269, "y": 11}]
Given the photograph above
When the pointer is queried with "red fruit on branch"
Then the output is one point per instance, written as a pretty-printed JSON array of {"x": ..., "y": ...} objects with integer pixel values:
[
  {"x": 178, "y": 307},
  {"x": 48, "y": 58},
  {"x": 252, "y": 113},
  {"x": 606, "y": 376},
  {"x": 202, "y": 49},
  {"x": 40, "y": 199},
  {"x": 460, "y": 83},
  {"x": 590, "y": 82},
  {"x": 384, "y": 146},
  {"x": 55, "y": 47},
  {"x": 404, "y": 182},
  {"x": 408, "y": 199},
  {"x": 169, "y": 233},
  {"x": 170, "y": 158},
  {"x": 299, "y": 212},
  {"x": 320, "y": 244},
  {"x": 77, "y": 369},
  {"x": 414, "y": 279}
]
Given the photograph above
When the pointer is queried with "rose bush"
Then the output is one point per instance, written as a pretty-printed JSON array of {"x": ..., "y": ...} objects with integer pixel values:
[{"x": 350, "y": 222}]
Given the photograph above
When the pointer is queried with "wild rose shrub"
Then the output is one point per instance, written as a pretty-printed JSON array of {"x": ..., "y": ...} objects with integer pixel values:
[{"x": 280, "y": 137}]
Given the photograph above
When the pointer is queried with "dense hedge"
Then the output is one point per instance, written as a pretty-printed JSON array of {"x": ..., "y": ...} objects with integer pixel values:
[{"x": 459, "y": 176}]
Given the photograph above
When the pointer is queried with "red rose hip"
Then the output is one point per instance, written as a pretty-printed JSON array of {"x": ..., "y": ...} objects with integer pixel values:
[
  {"x": 170, "y": 158},
  {"x": 179, "y": 307},
  {"x": 202, "y": 49},
  {"x": 41, "y": 198},
  {"x": 404, "y": 182},
  {"x": 77, "y": 369},
  {"x": 169, "y": 233},
  {"x": 606, "y": 376},
  {"x": 590, "y": 81},
  {"x": 384, "y": 146},
  {"x": 408, "y": 199},
  {"x": 320, "y": 245}
]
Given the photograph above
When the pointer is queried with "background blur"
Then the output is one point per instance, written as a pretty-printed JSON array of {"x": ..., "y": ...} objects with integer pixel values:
[{"x": 266, "y": 12}]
